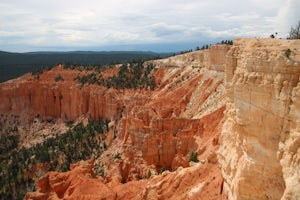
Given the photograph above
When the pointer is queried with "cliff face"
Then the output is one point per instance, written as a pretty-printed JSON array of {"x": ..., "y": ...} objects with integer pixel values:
[
  {"x": 168, "y": 124},
  {"x": 260, "y": 142},
  {"x": 68, "y": 100},
  {"x": 62, "y": 99},
  {"x": 160, "y": 130}
]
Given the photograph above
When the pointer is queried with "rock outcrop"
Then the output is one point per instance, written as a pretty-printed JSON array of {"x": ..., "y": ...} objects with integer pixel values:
[
  {"x": 79, "y": 183},
  {"x": 200, "y": 180},
  {"x": 259, "y": 151}
]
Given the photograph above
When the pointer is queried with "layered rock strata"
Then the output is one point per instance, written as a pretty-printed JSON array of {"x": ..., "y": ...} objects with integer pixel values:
[
  {"x": 160, "y": 130},
  {"x": 62, "y": 99},
  {"x": 259, "y": 151}
]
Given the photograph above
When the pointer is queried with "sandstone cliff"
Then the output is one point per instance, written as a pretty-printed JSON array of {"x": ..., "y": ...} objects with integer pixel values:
[
  {"x": 49, "y": 99},
  {"x": 259, "y": 151}
]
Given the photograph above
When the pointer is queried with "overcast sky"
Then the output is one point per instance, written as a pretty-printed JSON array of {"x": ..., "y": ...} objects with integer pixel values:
[{"x": 157, "y": 25}]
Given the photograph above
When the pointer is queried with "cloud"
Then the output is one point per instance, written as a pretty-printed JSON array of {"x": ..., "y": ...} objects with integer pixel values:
[
  {"x": 288, "y": 16},
  {"x": 78, "y": 23}
]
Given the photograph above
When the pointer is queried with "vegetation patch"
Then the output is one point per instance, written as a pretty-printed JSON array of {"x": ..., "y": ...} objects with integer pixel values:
[
  {"x": 287, "y": 53},
  {"x": 58, "y": 78},
  {"x": 194, "y": 157},
  {"x": 13, "y": 65},
  {"x": 162, "y": 170},
  {"x": 130, "y": 76},
  {"x": 149, "y": 174},
  {"x": 57, "y": 153}
]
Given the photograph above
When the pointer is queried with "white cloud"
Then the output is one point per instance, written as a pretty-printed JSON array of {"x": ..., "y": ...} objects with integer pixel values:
[
  {"x": 288, "y": 16},
  {"x": 81, "y": 23}
]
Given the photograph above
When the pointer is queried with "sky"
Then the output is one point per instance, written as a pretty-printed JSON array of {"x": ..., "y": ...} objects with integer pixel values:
[{"x": 148, "y": 25}]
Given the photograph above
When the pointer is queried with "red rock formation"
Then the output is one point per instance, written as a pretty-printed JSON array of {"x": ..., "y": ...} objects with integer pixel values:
[
  {"x": 201, "y": 181},
  {"x": 161, "y": 129},
  {"x": 62, "y": 99},
  {"x": 155, "y": 129},
  {"x": 79, "y": 183}
]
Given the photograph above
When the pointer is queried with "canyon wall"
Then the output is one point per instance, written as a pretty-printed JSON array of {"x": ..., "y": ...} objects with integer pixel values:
[
  {"x": 62, "y": 99},
  {"x": 162, "y": 132},
  {"x": 260, "y": 142},
  {"x": 67, "y": 99},
  {"x": 149, "y": 130}
]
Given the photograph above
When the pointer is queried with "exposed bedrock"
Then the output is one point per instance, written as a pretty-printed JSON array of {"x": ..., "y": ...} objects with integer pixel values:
[{"x": 260, "y": 141}]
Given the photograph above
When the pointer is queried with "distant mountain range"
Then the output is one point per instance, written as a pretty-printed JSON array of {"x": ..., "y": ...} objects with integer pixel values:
[{"x": 13, "y": 65}]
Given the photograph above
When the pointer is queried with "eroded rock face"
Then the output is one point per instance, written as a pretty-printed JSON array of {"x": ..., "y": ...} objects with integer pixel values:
[
  {"x": 161, "y": 129},
  {"x": 62, "y": 99},
  {"x": 200, "y": 180},
  {"x": 217, "y": 57},
  {"x": 259, "y": 151},
  {"x": 155, "y": 130},
  {"x": 164, "y": 144},
  {"x": 79, "y": 183}
]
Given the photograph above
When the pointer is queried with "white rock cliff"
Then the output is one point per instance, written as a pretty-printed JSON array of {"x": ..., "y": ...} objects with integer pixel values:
[{"x": 260, "y": 142}]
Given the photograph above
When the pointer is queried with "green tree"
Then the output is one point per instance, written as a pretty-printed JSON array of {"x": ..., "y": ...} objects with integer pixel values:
[
  {"x": 149, "y": 173},
  {"x": 59, "y": 78},
  {"x": 194, "y": 157}
]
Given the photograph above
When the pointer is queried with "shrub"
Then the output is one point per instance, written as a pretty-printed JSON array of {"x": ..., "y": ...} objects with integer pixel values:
[
  {"x": 288, "y": 53},
  {"x": 58, "y": 78},
  {"x": 69, "y": 123},
  {"x": 162, "y": 170},
  {"x": 149, "y": 174},
  {"x": 194, "y": 157},
  {"x": 117, "y": 156},
  {"x": 104, "y": 145}
]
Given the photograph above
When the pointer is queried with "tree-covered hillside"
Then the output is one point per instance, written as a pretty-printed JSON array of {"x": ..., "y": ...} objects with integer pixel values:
[
  {"x": 19, "y": 165},
  {"x": 13, "y": 65}
]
